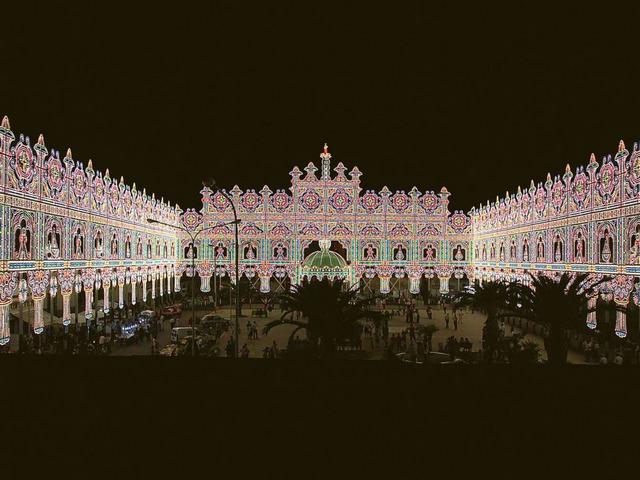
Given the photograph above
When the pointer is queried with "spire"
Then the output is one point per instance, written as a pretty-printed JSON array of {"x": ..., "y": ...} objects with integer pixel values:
[
  {"x": 5, "y": 123},
  {"x": 326, "y": 157},
  {"x": 41, "y": 139},
  {"x": 621, "y": 146},
  {"x": 69, "y": 153}
]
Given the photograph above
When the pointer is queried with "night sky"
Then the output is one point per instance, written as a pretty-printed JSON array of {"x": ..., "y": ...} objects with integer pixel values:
[{"x": 479, "y": 99}]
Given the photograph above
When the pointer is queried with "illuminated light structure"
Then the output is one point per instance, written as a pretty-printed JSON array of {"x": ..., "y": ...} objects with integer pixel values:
[
  {"x": 327, "y": 226},
  {"x": 69, "y": 230},
  {"x": 587, "y": 221}
]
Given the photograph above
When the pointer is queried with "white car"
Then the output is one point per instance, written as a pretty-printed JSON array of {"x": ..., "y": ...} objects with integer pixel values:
[{"x": 179, "y": 333}]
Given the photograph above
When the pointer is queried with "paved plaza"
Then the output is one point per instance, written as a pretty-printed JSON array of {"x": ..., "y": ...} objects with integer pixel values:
[{"x": 470, "y": 327}]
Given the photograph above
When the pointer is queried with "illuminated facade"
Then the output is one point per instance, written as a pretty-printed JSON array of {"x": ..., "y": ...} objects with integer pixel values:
[
  {"x": 587, "y": 221},
  {"x": 67, "y": 228}
]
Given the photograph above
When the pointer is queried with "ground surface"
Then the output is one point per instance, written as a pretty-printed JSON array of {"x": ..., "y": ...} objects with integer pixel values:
[{"x": 470, "y": 327}]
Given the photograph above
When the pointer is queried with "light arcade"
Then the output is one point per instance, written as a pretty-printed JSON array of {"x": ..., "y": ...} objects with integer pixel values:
[{"x": 70, "y": 232}]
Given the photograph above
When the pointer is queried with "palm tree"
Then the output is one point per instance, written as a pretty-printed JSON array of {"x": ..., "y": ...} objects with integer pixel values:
[
  {"x": 490, "y": 299},
  {"x": 329, "y": 312},
  {"x": 559, "y": 304}
]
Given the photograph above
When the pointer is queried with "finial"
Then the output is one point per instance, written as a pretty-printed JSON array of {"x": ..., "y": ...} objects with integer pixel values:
[
  {"x": 90, "y": 165},
  {"x": 621, "y": 146},
  {"x": 5, "y": 123},
  {"x": 567, "y": 169},
  {"x": 507, "y": 194},
  {"x": 41, "y": 139},
  {"x": 69, "y": 153},
  {"x": 121, "y": 179},
  {"x": 325, "y": 156},
  {"x": 548, "y": 177},
  {"x": 533, "y": 185},
  {"x": 519, "y": 189},
  {"x": 592, "y": 158},
  {"x": 144, "y": 191},
  {"x": 134, "y": 186},
  {"x": 106, "y": 173}
]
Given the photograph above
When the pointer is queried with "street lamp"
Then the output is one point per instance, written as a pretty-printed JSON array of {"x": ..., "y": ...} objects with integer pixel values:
[
  {"x": 211, "y": 183},
  {"x": 193, "y": 235}
]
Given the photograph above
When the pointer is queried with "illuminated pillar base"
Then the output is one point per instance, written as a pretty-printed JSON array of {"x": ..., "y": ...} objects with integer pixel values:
[
  {"x": 176, "y": 281},
  {"x": 205, "y": 284},
  {"x": 444, "y": 284},
  {"x": 107, "y": 302},
  {"x": 88, "y": 313},
  {"x": 265, "y": 285},
  {"x": 621, "y": 324},
  {"x": 414, "y": 285},
  {"x": 38, "y": 321},
  {"x": 66, "y": 309},
  {"x": 120, "y": 296},
  {"x": 384, "y": 285},
  {"x": 5, "y": 333},
  {"x": 134, "y": 286},
  {"x": 592, "y": 322}
]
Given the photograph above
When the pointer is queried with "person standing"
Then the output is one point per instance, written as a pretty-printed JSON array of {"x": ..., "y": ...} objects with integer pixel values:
[
  {"x": 618, "y": 360},
  {"x": 455, "y": 321},
  {"x": 231, "y": 348},
  {"x": 446, "y": 320}
]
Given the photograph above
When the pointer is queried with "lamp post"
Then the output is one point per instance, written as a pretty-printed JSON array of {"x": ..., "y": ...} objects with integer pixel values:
[
  {"x": 211, "y": 183},
  {"x": 193, "y": 235}
]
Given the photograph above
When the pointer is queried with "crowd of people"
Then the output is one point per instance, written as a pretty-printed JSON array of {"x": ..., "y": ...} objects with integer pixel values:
[
  {"x": 100, "y": 336},
  {"x": 606, "y": 354}
]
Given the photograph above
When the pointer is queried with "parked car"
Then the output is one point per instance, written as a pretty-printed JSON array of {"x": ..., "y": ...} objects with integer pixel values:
[
  {"x": 205, "y": 346},
  {"x": 171, "y": 310},
  {"x": 179, "y": 333},
  {"x": 214, "y": 325},
  {"x": 170, "y": 350},
  {"x": 146, "y": 317},
  {"x": 128, "y": 331}
]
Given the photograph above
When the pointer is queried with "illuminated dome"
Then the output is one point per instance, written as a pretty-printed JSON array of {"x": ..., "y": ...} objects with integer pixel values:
[
  {"x": 325, "y": 259},
  {"x": 324, "y": 262}
]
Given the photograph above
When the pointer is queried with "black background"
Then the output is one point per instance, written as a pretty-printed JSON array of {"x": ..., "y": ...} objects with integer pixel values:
[{"x": 480, "y": 98}]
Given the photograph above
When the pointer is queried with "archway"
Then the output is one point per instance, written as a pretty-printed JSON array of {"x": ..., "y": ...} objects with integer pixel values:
[
  {"x": 429, "y": 289},
  {"x": 369, "y": 286},
  {"x": 458, "y": 285}
]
